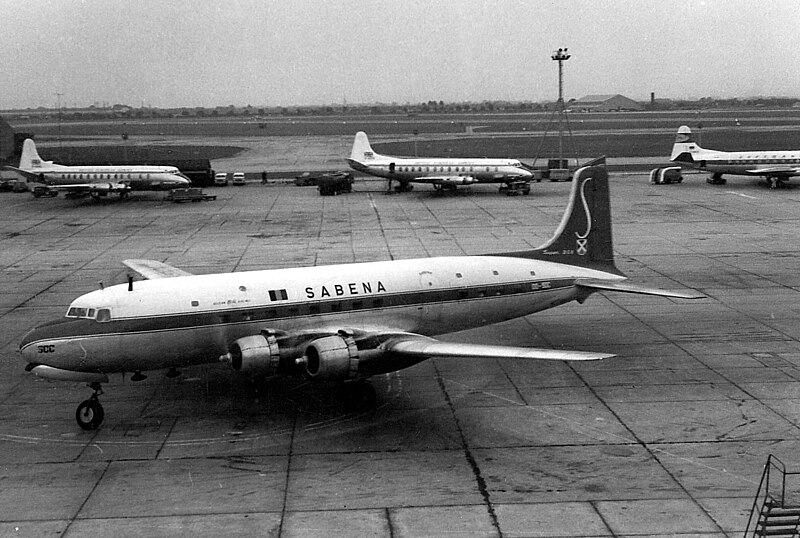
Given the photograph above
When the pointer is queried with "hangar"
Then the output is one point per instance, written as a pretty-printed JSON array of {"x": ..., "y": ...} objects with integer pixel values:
[
  {"x": 6, "y": 140},
  {"x": 605, "y": 103}
]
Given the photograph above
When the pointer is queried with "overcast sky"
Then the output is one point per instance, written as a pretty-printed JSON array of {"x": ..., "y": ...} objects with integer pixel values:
[{"x": 310, "y": 52}]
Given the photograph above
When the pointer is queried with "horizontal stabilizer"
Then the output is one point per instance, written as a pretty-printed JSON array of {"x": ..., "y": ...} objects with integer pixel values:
[
  {"x": 625, "y": 287},
  {"x": 151, "y": 269},
  {"x": 29, "y": 176},
  {"x": 423, "y": 347}
]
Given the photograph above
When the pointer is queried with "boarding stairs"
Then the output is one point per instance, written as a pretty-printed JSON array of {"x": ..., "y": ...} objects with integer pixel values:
[{"x": 776, "y": 508}]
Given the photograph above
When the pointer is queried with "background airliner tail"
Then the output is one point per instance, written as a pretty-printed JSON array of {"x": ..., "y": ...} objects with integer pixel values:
[
  {"x": 684, "y": 145},
  {"x": 30, "y": 160},
  {"x": 584, "y": 236},
  {"x": 361, "y": 151}
]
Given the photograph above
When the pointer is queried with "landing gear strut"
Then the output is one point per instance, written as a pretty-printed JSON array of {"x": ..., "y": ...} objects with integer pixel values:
[
  {"x": 90, "y": 413},
  {"x": 359, "y": 396}
]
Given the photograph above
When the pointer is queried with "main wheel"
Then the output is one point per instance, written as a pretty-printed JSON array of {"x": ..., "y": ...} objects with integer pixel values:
[
  {"x": 89, "y": 414},
  {"x": 359, "y": 396}
]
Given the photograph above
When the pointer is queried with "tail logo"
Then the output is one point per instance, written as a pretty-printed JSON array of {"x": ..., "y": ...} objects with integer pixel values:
[{"x": 582, "y": 240}]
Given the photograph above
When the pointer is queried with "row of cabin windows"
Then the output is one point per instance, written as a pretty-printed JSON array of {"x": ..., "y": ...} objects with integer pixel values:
[
  {"x": 442, "y": 168},
  {"x": 105, "y": 176},
  {"x": 104, "y": 314},
  {"x": 765, "y": 159},
  {"x": 311, "y": 309}
]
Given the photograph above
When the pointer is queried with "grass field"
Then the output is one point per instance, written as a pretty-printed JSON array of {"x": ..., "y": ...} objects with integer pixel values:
[{"x": 623, "y": 134}]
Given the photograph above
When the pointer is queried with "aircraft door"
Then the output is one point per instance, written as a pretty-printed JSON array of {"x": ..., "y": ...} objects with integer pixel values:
[
  {"x": 391, "y": 168},
  {"x": 431, "y": 307}
]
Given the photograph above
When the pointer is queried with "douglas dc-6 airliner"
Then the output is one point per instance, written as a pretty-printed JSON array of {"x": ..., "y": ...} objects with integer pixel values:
[
  {"x": 775, "y": 165},
  {"x": 442, "y": 173},
  {"x": 94, "y": 180},
  {"x": 339, "y": 323}
]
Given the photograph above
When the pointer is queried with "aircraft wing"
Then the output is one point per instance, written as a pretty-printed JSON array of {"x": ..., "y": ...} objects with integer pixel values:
[
  {"x": 151, "y": 269},
  {"x": 775, "y": 170},
  {"x": 625, "y": 287},
  {"x": 418, "y": 346},
  {"x": 90, "y": 187},
  {"x": 451, "y": 180}
]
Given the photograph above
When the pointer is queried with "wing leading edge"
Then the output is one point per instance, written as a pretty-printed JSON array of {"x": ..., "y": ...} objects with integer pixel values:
[
  {"x": 422, "y": 347},
  {"x": 151, "y": 269}
]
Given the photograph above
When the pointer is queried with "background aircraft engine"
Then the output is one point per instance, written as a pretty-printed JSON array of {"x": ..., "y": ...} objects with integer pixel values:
[
  {"x": 332, "y": 357},
  {"x": 255, "y": 355}
]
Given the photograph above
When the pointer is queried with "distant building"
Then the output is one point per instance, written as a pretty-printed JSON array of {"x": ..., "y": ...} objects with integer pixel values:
[
  {"x": 604, "y": 103},
  {"x": 6, "y": 141}
]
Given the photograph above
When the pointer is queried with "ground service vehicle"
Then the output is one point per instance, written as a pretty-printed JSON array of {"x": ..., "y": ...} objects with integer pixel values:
[
  {"x": 238, "y": 178},
  {"x": 665, "y": 176},
  {"x": 221, "y": 179},
  {"x": 333, "y": 184}
]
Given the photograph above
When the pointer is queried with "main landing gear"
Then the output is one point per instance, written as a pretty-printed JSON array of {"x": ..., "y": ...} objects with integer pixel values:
[
  {"x": 358, "y": 396},
  {"x": 90, "y": 413}
]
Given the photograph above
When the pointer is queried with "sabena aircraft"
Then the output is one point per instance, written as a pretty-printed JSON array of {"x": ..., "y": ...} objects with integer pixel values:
[
  {"x": 94, "y": 180},
  {"x": 336, "y": 323},
  {"x": 442, "y": 173},
  {"x": 777, "y": 166}
]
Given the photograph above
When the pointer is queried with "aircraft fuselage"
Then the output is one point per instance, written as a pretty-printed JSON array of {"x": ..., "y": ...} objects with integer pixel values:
[{"x": 193, "y": 319}]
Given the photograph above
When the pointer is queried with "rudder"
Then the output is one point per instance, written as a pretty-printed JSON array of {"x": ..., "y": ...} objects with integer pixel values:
[
  {"x": 30, "y": 160},
  {"x": 361, "y": 151},
  {"x": 583, "y": 237}
]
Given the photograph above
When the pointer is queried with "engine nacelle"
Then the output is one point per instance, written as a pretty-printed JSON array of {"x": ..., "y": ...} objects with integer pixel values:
[
  {"x": 331, "y": 358},
  {"x": 257, "y": 354}
]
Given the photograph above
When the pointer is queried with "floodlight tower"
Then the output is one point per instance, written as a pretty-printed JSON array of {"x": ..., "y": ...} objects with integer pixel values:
[{"x": 561, "y": 56}]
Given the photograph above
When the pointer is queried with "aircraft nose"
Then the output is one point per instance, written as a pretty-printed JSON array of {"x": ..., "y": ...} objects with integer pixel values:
[{"x": 39, "y": 344}]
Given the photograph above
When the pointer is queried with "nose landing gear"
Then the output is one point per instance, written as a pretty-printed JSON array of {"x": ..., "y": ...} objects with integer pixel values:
[{"x": 90, "y": 413}]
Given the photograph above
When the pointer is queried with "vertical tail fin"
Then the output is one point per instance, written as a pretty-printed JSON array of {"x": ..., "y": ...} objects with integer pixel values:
[
  {"x": 684, "y": 145},
  {"x": 30, "y": 160},
  {"x": 584, "y": 236},
  {"x": 361, "y": 151}
]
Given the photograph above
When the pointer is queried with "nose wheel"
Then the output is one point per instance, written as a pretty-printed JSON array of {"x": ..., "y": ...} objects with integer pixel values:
[{"x": 90, "y": 413}]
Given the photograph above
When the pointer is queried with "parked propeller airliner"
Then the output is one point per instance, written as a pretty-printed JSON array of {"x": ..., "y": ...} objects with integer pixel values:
[
  {"x": 777, "y": 166},
  {"x": 442, "y": 173},
  {"x": 94, "y": 180},
  {"x": 340, "y": 323}
]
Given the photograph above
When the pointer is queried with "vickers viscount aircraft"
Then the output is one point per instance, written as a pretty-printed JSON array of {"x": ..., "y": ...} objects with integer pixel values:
[
  {"x": 338, "y": 323},
  {"x": 777, "y": 166},
  {"x": 94, "y": 180},
  {"x": 442, "y": 173}
]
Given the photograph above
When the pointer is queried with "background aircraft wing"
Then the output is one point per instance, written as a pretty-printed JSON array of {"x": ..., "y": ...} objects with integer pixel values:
[
  {"x": 418, "y": 346},
  {"x": 452, "y": 180},
  {"x": 775, "y": 170},
  {"x": 151, "y": 269},
  {"x": 89, "y": 187}
]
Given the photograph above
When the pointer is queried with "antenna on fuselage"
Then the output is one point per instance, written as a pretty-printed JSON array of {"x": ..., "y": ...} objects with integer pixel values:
[
  {"x": 130, "y": 282},
  {"x": 102, "y": 287}
]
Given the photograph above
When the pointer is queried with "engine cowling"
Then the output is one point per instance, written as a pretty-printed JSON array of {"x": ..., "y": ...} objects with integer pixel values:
[
  {"x": 258, "y": 354},
  {"x": 331, "y": 358}
]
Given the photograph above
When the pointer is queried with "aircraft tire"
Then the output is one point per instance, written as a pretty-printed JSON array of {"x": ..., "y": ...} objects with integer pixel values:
[
  {"x": 89, "y": 414},
  {"x": 359, "y": 396}
]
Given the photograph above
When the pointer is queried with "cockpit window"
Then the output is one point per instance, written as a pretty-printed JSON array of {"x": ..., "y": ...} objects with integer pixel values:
[
  {"x": 76, "y": 312},
  {"x": 102, "y": 314}
]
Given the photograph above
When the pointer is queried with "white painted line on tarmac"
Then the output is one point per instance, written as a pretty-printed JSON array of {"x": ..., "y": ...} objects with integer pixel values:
[{"x": 742, "y": 195}]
